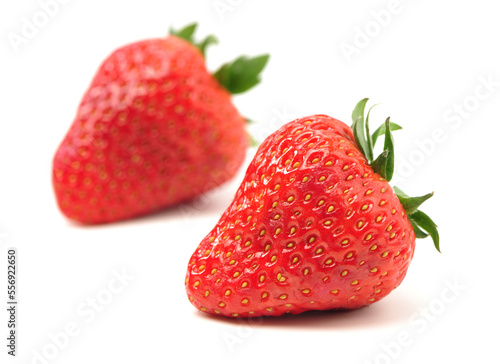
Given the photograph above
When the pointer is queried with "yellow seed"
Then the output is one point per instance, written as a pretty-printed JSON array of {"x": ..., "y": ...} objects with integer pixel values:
[
  {"x": 283, "y": 297},
  {"x": 262, "y": 232},
  {"x": 290, "y": 245},
  {"x": 334, "y": 291},
  {"x": 343, "y": 273},
  {"x": 203, "y": 308},
  {"x": 222, "y": 304},
  {"x": 236, "y": 274},
  {"x": 319, "y": 251},
  {"x": 311, "y": 239},
  {"x": 213, "y": 271},
  {"x": 378, "y": 291},
  {"x": 293, "y": 230},
  {"x": 228, "y": 254},
  {"x": 305, "y": 179},
  {"x": 328, "y": 262},
  {"x": 287, "y": 162},
  {"x": 244, "y": 301},
  {"x": 273, "y": 258},
  {"x": 349, "y": 255},
  {"x": 369, "y": 192},
  {"x": 350, "y": 177},
  {"x": 315, "y": 160},
  {"x": 201, "y": 267},
  {"x": 360, "y": 223},
  {"x": 269, "y": 309},
  {"x": 268, "y": 246},
  {"x": 306, "y": 271},
  {"x": 207, "y": 293},
  {"x": 207, "y": 252},
  {"x": 308, "y": 197},
  {"x": 275, "y": 204},
  {"x": 264, "y": 295},
  {"x": 290, "y": 199},
  {"x": 373, "y": 247},
  {"x": 276, "y": 187},
  {"x": 393, "y": 211},
  {"x": 371, "y": 299},
  {"x": 244, "y": 284},
  {"x": 345, "y": 168},
  {"x": 389, "y": 228},
  {"x": 382, "y": 189},
  {"x": 237, "y": 237},
  {"x": 278, "y": 230},
  {"x": 364, "y": 207},
  {"x": 296, "y": 164},
  {"x": 227, "y": 293},
  {"x": 368, "y": 237},
  {"x": 373, "y": 270},
  {"x": 392, "y": 235},
  {"x": 384, "y": 254},
  {"x": 328, "y": 222},
  {"x": 232, "y": 262},
  {"x": 295, "y": 260},
  {"x": 262, "y": 278},
  {"x": 197, "y": 283},
  {"x": 378, "y": 218},
  {"x": 382, "y": 203},
  {"x": 322, "y": 178},
  {"x": 354, "y": 282},
  {"x": 211, "y": 239},
  {"x": 248, "y": 243},
  {"x": 249, "y": 218},
  {"x": 329, "y": 163},
  {"x": 321, "y": 202},
  {"x": 330, "y": 209}
]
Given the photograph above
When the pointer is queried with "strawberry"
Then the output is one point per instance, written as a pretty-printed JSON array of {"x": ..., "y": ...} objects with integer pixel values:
[
  {"x": 314, "y": 225},
  {"x": 155, "y": 128}
]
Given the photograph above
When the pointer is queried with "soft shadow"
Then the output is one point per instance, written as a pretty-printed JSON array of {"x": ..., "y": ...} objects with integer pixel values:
[
  {"x": 390, "y": 311},
  {"x": 209, "y": 204}
]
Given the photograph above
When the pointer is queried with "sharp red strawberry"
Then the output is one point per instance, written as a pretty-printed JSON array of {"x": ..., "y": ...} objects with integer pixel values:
[
  {"x": 312, "y": 226},
  {"x": 154, "y": 128}
]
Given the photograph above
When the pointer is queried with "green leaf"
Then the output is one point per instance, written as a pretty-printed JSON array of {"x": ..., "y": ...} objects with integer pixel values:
[
  {"x": 242, "y": 74},
  {"x": 253, "y": 141},
  {"x": 368, "y": 139},
  {"x": 209, "y": 40},
  {"x": 381, "y": 130},
  {"x": 425, "y": 223},
  {"x": 419, "y": 233},
  {"x": 384, "y": 164},
  {"x": 185, "y": 33},
  {"x": 358, "y": 128},
  {"x": 411, "y": 204},
  {"x": 359, "y": 110}
]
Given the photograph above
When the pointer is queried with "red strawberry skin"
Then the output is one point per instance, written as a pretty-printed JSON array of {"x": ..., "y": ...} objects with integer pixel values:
[
  {"x": 153, "y": 129},
  {"x": 311, "y": 227}
]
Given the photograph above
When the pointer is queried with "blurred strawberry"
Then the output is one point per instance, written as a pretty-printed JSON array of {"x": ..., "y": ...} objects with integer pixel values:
[{"x": 154, "y": 129}]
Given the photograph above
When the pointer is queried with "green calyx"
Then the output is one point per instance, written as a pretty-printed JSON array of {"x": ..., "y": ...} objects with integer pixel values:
[
  {"x": 237, "y": 76},
  {"x": 187, "y": 33},
  {"x": 422, "y": 224}
]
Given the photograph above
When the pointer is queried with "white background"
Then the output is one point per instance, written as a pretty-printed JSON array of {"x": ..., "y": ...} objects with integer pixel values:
[{"x": 424, "y": 63}]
